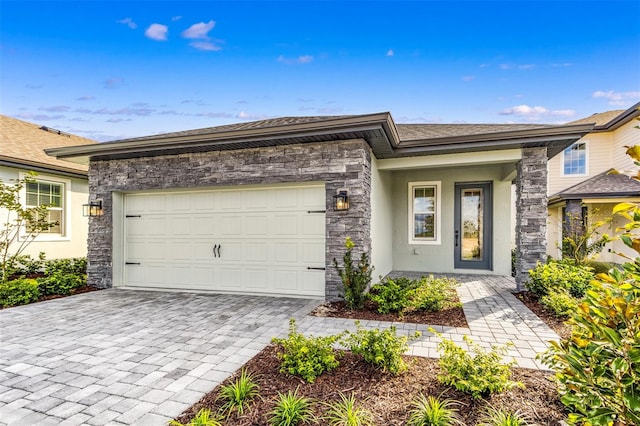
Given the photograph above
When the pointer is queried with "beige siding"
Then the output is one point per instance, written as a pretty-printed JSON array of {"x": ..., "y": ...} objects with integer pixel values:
[
  {"x": 599, "y": 159},
  {"x": 626, "y": 135}
]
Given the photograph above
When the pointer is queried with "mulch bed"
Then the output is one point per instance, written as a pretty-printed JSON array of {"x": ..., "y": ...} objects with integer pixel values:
[
  {"x": 387, "y": 397},
  {"x": 556, "y": 324},
  {"x": 452, "y": 316}
]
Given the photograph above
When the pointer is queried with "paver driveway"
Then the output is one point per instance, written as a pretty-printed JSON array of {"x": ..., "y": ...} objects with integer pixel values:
[{"x": 128, "y": 357}]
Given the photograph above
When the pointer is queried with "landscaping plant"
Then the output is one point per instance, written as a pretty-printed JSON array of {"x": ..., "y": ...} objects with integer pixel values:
[
  {"x": 291, "y": 409},
  {"x": 239, "y": 394},
  {"x": 306, "y": 356},
  {"x": 355, "y": 278},
  {"x": 478, "y": 371},
  {"x": 500, "y": 417},
  {"x": 18, "y": 292},
  {"x": 402, "y": 294},
  {"x": 598, "y": 367},
  {"x": 382, "y": 348},
  {"x": 559, "y": 276},
  {"x": 392, "y": 294},
  {"x": 60, "y": 283},
  {"x": 203, "y": 418},
  {"x": 432, "y": 411},
  {"x": 433, "y": 294},
  {"x": 19, "y": 225},
  {"x": 561, "y": 303},
  {"x": 347, "y": 412}
]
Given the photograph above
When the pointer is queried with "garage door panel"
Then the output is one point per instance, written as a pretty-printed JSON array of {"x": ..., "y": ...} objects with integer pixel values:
[{"x": 267, "y": 240}]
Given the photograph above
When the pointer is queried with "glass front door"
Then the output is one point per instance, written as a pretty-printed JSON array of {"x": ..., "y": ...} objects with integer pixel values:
[{"x": 473, "y": 230}]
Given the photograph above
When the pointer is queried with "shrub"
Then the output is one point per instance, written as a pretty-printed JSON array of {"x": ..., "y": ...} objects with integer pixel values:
[
  {"x": 239, "y": 394},
  {"x": 598, "y": 367},
  {"x": 290, "y": 410},
  {"x": 60, "y": 283},
  {"x": 392, "y": 295},
  {"x": 307, "y": 357},
  {"x": 479, "y": 374},
  {"x": 355, "y": 279},
  {"x": 559, "y": 276},
  {"x": 75, "y": 266},
  {"x": 561, "y": 303},
  {"x": 432, "y": 411},
  {"x": 601, "y": 267},
  {"x": 382, "y": 348},
  {"x": 25, "y": 266},
  {"x": 500, "y": 417},
  {"x": 18, "y": 292},
  {"x": 346, "y": 412},
  {"x": 203, "y": 418},
  {"x": 432, "y": 294}
]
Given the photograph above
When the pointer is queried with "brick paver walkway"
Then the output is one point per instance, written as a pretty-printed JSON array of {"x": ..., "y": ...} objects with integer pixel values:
[{"x": 134, "y": 357}]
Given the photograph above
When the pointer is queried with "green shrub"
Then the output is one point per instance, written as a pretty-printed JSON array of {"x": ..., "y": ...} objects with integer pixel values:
[
  {"x": 432, "y": 294},
  {"x": 18, "y": 292},
  {"x": 25, "y": 266},
  {"x": 347, "y": 412},
  {"x": 392, "y": 295},
  {"x": 238, "y": 395},
  {"x": 500, "y": 417},
  {"x": 291, "y": 409},
  {"x": 598, "y": 367},
  {"x": 75, "y": 266},
  {"x": 61, "y": 283},
  {"x": 561, "y": 303},
  {"x": 557, "y": 277},
  {"x": 479, "y": 374},
  {"x": 203, "y": 418},
  {"x": 355, "y": 279},
  {"x": 432, "y": 411},
  {"x": 307, "y": 357},
  {"x": 382, "y": 348},
  {"x": 601, "y": 267}
]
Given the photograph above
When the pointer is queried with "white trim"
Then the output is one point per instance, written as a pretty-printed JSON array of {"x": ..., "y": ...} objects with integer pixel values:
[
  {"x": 66, "y": 207},
  {"x": 438, "y": 219},
  {"x": 586, "y": 160}
]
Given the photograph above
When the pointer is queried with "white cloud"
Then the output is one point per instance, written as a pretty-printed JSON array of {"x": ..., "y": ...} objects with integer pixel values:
[
  {"x": 176, "y": 18},
  {"x": 157, "y": 32},
  {"x": 304, "y": 59},
  {"x": 536, "y": 112},
  {"x": 128, "y": 22},
  {"x": 246, "y": 116},
  {"x": 199, "y": 30},
  {"x": 390, "y": 52},
  {"x": 86, "y": 98},
  {"x": 616, "y": 98},
  {"x": 38, "y": 117},
  {"x": 468, "y": 78},
  {"x": 205, "y": 45},
  {"x": 56, "y": 108}
]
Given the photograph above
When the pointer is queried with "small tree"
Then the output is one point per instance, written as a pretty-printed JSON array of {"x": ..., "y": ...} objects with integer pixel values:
[
  {"x": 584, "y": 239},
  {"x": 355, "y": 278},
  {"x": 19, "y": 225}
]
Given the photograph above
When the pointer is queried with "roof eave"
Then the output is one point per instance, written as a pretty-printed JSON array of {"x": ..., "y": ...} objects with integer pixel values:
[
  {"x": 42, "y": 167},
  {"x": 621, "y": 119}
]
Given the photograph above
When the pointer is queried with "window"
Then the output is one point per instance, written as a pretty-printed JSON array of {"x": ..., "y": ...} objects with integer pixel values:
[
  {"x": 51, "y": 194},
  {"x": 424, "y": 212},
  {"x": 575, "y": 160}
]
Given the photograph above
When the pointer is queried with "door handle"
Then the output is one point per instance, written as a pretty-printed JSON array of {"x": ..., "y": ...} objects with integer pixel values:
[
  {"x": 214, "y": 250},
  {"x": 457, "y": 237},
  {"x": 219, "y": 247}
]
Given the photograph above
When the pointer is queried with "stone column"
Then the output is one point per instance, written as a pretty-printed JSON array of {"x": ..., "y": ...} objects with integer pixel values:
[{"x": 531, "y": 212}]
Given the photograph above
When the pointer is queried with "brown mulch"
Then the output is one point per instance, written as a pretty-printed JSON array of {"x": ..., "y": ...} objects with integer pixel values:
[
  {"x": 558, "y": 325},
  {"x": 387, "y": 397},
  {"x": 451, "y": 316}
]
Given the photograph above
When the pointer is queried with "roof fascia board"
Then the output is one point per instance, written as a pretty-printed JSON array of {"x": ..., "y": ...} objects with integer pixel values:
[
  {"x": 370, "y": 122},
  {"x": 36, "y": 167},
  {"x": 619, "y": 120}
]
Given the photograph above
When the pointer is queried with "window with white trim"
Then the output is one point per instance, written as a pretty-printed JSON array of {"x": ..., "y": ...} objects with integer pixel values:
[
  {"x": 424, "y": 212},
  {"x": 574, "y": 160},
  {"x": 51, "y": 194}
]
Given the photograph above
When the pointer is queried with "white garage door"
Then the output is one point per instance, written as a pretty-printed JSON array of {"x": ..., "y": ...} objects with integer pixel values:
[{"x": 251, "y": 241}]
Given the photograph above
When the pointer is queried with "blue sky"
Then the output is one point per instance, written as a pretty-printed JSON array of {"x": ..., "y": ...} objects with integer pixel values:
[{"x": 116, "y": 69}]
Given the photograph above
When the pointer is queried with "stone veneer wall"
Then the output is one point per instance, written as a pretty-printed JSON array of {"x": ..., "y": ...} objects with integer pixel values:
[
  {"x": 339, "y": 164},
  {"x": 531, "y": 212}
]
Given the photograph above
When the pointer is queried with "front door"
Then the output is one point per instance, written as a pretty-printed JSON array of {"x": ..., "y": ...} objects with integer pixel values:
[{"x": 473, "y": 226}]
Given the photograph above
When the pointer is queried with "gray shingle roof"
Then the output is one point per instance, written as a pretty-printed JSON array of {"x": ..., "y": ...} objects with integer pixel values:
[
  {"x": 605, "y": 185},
  {"x": 600, "y": 119},
  {"x": 430, "y": 131}
]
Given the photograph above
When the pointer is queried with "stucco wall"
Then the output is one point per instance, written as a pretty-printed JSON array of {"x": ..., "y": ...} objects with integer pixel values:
[
  {"x": 440, "y": 257},
  {"x": 344, "y": 164},
  {"x": 74, "y": 242},
  {"x": 381, "y": 221}
]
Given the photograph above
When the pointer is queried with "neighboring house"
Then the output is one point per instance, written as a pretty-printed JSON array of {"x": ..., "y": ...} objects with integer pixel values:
[
  {"x": 581, "y": 185},
  {"x": 251, "y": 208},
  {"x": 60, "y": 184}
]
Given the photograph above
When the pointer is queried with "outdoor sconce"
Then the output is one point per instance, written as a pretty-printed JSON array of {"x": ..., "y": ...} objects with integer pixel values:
[
  {"x": 94, "y": 208},
  {"x": 342, "y": 200}
]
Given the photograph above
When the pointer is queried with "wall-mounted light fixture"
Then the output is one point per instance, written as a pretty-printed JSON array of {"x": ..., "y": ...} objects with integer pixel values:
[
  {"x": 94, "y": 208},
  {"x": 341, "y": 200}
]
